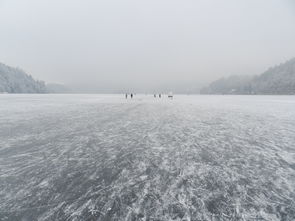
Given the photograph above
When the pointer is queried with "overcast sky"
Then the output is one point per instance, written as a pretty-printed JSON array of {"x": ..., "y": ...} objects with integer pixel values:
[{"x": 148, "y": 43}]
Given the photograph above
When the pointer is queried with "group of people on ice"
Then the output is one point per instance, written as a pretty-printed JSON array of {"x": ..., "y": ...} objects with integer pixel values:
[
  {"x": 155, "y": 95},
  {"x": 126, "y": 96}
]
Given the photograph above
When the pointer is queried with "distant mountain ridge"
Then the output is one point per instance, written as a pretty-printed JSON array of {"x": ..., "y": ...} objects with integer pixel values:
[
  {"x": 57, "y": 88},
  {"x": 276, "y": 80},
  {"x": 15, "y": 80}
]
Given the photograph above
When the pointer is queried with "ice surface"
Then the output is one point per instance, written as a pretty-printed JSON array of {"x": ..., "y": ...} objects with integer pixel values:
[{"x": 102, "y": 157}]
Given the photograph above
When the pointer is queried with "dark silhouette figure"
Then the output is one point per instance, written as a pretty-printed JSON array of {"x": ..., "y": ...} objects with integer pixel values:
[
  {"x": 155, "y": 96},
  {"x": 159, "y": 95},
  {"x": 126, "y": 96},
  {"x": 131, "y": 96}
]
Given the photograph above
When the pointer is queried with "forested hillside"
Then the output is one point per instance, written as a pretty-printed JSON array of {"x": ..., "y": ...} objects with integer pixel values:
[
  {"x": 14, "y": 80},
  {"x": 276, "y": 80}
]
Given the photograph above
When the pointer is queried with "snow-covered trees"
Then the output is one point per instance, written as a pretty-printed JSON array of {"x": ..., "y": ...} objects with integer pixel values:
[
  {"x": 276, "y": 80},
  {"x": 14, "y": 80},
  {"x": 229, "y": 85}
]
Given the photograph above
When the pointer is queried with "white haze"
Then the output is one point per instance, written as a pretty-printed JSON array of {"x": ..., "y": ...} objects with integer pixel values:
[{"x": 132, "y": 44}]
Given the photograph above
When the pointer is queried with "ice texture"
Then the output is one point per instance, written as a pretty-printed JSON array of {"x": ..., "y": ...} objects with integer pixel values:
[{"x": 104, "y": 157}]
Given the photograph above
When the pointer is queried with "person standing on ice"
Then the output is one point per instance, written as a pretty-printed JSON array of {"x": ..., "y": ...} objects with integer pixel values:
[
  {"x": 126, "y": 96},
  {"x": 159, "y": 95},
  {"x": 131, "y": 96}
]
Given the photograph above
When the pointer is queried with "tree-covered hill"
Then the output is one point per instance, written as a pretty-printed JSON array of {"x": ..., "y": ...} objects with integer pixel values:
[
  {"x": 14, "y": 80},
  {"x": 276, "y": 80}
]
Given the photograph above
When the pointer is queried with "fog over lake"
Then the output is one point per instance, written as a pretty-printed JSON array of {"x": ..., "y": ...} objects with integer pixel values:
[{"x": 111, "y": 46}]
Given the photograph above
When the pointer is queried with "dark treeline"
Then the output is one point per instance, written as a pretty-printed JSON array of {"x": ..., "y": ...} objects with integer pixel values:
[{"x": 276, "y": 80}]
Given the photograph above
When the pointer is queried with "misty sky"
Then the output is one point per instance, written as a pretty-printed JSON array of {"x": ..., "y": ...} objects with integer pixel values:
[{"x": 145, "y": 43}]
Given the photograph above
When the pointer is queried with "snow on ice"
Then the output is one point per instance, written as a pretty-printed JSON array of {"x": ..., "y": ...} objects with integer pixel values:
[{"x": 102, "y": 157}]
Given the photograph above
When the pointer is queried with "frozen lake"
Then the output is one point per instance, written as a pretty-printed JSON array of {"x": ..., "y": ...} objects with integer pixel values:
[{"x": 102, "y": 157}]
